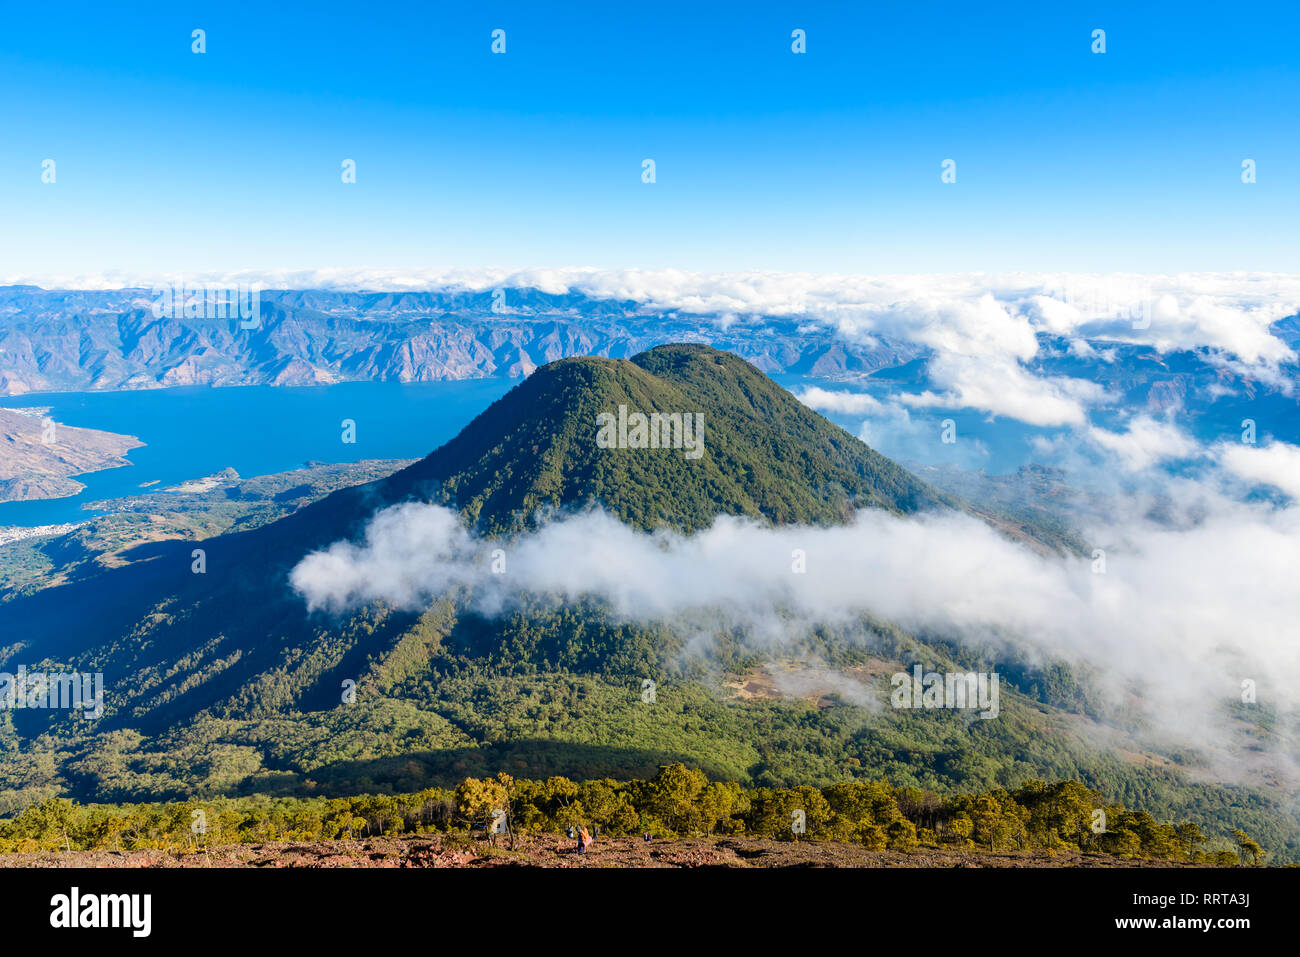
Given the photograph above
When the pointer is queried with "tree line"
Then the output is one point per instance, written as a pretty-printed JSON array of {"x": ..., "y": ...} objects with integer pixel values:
[{"x": 678, "y": 801}]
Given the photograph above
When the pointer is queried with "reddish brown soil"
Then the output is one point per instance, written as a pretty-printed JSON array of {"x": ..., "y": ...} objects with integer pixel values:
[{"x": 437, "y": 850}]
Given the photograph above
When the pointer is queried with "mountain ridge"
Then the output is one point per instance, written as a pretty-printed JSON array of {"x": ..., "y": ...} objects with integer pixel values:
[
  {"x": 761, "y": 449},
  {"x": 89, "y": 340}
]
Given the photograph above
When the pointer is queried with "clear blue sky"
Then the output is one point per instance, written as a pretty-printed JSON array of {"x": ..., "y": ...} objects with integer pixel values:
[{"x": 828, "y": 161}]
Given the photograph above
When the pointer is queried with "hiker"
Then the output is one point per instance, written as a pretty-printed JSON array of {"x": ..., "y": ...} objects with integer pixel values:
[{"x": 584, "y": 840}]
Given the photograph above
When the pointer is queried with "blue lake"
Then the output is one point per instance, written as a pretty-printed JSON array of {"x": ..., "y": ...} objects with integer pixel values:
[{"x": 257, "y": 430}]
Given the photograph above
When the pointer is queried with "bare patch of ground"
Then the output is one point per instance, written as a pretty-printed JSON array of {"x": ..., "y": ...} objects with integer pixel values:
[
  {"x": 438, "y": 850},
  {"x": 40, "y": 456}
]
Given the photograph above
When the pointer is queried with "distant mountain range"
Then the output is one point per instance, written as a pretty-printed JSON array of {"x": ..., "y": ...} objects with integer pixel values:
[
  {"x": 76, "y": 340},
  {"x": 66, "y": 340}
]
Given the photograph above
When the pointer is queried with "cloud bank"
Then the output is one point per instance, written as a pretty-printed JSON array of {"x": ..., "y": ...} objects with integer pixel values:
[{"x": 1182, "y": 614}]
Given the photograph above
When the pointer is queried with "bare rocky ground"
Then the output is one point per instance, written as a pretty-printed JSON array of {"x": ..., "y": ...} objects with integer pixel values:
[
  {"x": 39, "y": 461},
  {"x": 438, "y": 850}
]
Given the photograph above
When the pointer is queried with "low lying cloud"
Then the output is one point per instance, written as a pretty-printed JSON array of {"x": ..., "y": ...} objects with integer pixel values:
[
  {"x": 1002, "y": 386},
  {"x": 1181, "y": 614},
  {"x": 1145, "y": 442},
  {"x": 839, "y": 400},
  {"x": 1277, "y": 465}
]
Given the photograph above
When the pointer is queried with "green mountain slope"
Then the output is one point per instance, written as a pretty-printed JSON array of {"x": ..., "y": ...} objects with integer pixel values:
[
  {"x": 221, "y": 682},
  {"x": 174, "y": 643},
  {"x": 764, "y": 454}
]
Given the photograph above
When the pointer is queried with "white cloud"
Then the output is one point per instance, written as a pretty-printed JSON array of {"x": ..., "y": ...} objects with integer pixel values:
[
  {"x": 1277, "y": 464},
  {"x": 831, "y": 400},
  {"x": 1002, "y": 386},
  {"x": 391, "y": 562},
  {"x": 1145, "y": 442},
  {"x": 1182, "y": 614}
]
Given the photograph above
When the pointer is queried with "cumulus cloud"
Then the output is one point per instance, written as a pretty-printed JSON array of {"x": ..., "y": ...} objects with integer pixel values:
[
  {"x": 979, "y": 350},
  {"x": 410, "y": 552},
  {"x": 1229, "y": 313},
  {"x": 836, "y": 400},
  {"x": 1145, "y": 442},
  {"x": 1277, "y": 464},
  {"x": 1002, "y": 386}
]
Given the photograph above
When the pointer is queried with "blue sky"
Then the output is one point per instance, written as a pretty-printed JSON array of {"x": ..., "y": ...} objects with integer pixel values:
[{"x": 827, "y": 161}]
